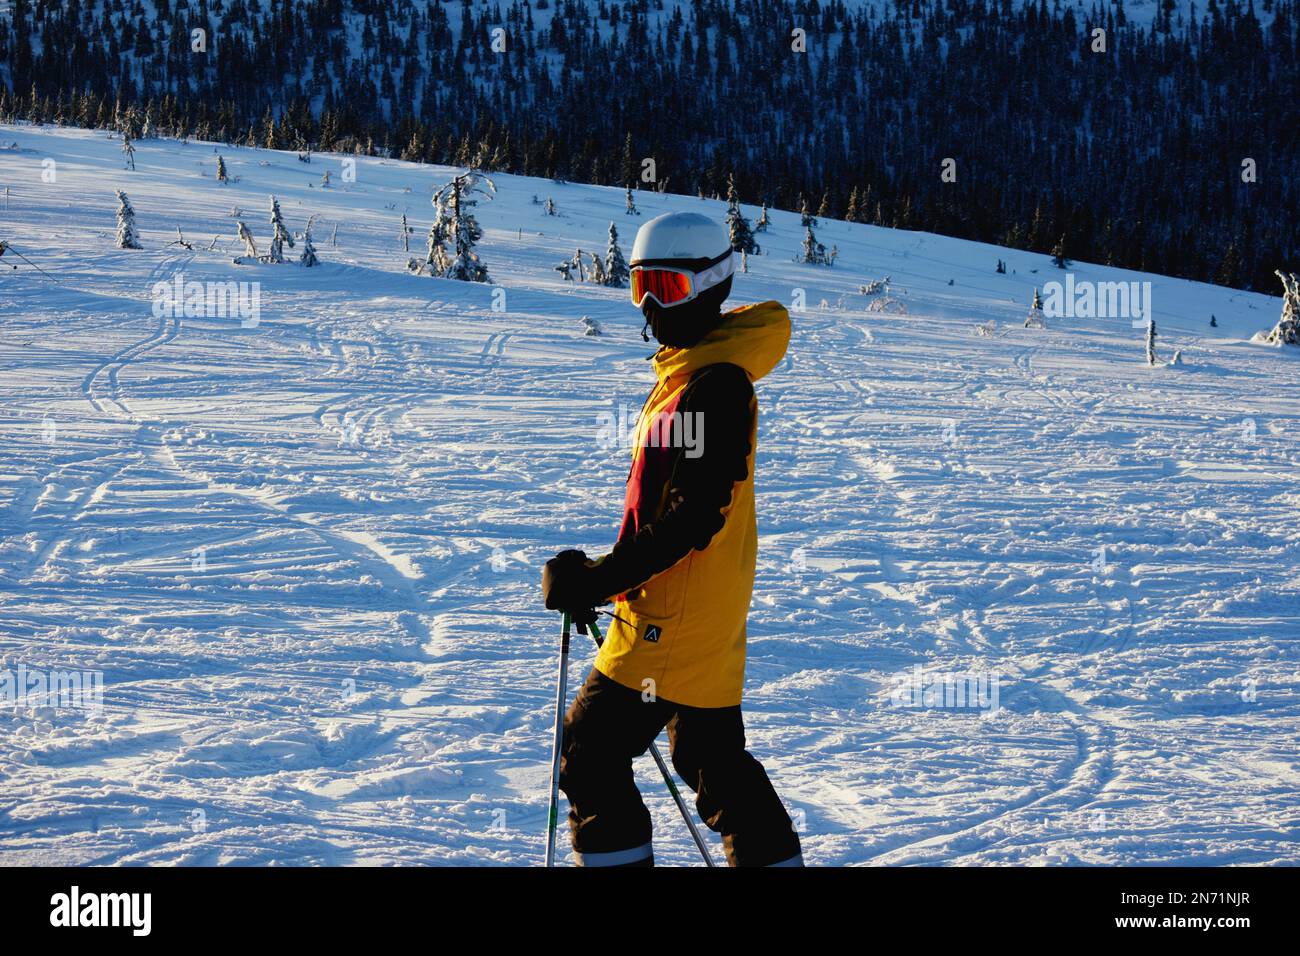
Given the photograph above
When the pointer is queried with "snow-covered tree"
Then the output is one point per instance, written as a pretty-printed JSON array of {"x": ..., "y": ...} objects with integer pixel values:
[
  {"x": 325, "y": 180},
  {"x": 854, "y": 212},
  {"x": 1151, "y": 341},
  {"x": 806, "y": 218},
  {"x": 1058, "y": 254},
  {"x": 1035, "y": 319},
  {"x": 631, "y": 209},
  {"x": 616, "y": 270},
  {"x": 127, "y": 237},
  {"x": 809, "y": 246},
  {"x": 1287, "y": 330},
  {"x": 435, "y": 259},
  {"x": 565, "y": 269},
  {"x": 246, "y": 237},
  {"x": 763, "y": 221},
  {"x": 597, "y": 270},
  {"x": 308, "y": 257},
  {"x": 814, "y": 253},
  {"x": 463, "y": 231},
  {"x": 222, "y": 175},
  {"x": 742, "y": 237},
  {"x": 577, "y": 264},
  {"x": 128, "y": 150},
  {"x": 279, "y": 234},
  {"x": 550, "y": 207}
]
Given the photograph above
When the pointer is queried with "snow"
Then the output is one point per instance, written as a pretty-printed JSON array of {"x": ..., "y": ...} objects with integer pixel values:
[{"x": 304, "y": 554}]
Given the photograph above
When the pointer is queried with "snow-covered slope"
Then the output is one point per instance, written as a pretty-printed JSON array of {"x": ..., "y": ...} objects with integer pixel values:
[{"x": 304, "y": 554}]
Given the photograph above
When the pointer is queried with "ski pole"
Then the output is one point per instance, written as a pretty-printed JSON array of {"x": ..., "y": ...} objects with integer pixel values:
[
  {"x": 8, "y": 247},
  {"x": 668, "y": 777},
  {"x": 558, "y": 741}
]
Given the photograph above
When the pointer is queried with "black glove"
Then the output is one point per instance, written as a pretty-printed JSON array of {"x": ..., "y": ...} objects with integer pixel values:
[{"x": 572, "y": 583}]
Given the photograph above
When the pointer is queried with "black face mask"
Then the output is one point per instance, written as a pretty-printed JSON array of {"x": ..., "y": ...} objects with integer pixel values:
[{"x": 686, "y": 325}]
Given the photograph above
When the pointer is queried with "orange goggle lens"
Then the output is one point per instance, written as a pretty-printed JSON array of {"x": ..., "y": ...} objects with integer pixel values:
[{"x": 667, "y": 287}]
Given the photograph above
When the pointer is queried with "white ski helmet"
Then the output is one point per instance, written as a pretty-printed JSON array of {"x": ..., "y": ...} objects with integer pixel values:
[
  {"x": 684, "y": 242},
  {"x": 680, "y": 235}
]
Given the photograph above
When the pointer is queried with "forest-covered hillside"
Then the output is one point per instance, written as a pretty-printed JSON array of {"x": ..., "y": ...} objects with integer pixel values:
[{"x": 1173, "y": 149}]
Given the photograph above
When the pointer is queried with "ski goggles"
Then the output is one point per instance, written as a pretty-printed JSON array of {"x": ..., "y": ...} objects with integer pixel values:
[{"x": 671, "y": 285}]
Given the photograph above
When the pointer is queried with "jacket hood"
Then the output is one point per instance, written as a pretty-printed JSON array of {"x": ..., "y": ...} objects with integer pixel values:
[{"x": 754, "y": 337}]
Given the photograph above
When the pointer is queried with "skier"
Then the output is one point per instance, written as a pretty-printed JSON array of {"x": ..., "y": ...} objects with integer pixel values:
[{"x": 682, "y": 571}]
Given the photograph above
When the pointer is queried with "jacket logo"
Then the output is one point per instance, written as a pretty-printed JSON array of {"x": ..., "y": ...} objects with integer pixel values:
[{"x": 652, "y": 633}]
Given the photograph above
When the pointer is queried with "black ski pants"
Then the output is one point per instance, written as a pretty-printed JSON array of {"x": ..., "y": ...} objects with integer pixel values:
[{"x": 609, "y": 725}]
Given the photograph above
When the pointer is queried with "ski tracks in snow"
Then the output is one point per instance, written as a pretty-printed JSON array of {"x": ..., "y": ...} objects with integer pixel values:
[
  {"x": 304, "y": 554},
  {"x": 986, "y": 525}
]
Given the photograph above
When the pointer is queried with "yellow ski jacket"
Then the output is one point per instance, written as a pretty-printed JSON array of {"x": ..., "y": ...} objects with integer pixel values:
[{"x": 689, "y": 538}]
